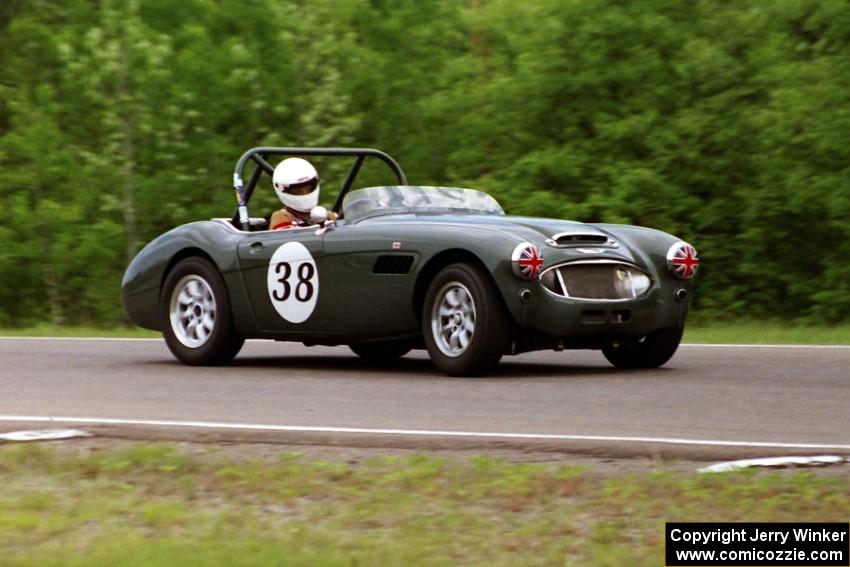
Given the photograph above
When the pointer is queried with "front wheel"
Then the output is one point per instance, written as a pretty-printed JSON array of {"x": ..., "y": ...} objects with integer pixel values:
[
  {"x": 651, "y": 352},
  {"x": 196, "y": 319},
  {"x": 464, "y": 321}
]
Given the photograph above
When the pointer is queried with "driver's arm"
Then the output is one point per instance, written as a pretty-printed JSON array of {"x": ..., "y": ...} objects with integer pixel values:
[{"x": 281, "y": 220}]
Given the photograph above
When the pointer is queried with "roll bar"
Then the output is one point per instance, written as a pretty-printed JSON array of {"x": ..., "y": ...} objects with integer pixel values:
[{"x": 261, "y": 155}]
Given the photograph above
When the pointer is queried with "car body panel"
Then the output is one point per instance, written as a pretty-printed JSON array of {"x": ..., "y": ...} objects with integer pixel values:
[
  {"x": 355, "y": 303},
  {"x": 368, "y": 304}
]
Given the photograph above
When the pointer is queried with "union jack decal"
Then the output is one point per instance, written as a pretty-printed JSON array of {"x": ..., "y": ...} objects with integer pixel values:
[
  {"x": 527, "y": 261},
  {"x": 682, "y": 260}
]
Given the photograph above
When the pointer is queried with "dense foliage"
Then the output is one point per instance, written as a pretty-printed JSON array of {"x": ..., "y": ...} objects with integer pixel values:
[{"x": 724, "y": 122}]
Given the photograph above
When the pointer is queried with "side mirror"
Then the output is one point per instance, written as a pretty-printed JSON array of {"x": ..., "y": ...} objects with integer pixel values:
[{"x": 319, "y": 214}]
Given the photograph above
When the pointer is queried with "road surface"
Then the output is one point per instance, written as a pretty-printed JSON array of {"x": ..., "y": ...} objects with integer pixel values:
[{"x": 707, "y": 402}]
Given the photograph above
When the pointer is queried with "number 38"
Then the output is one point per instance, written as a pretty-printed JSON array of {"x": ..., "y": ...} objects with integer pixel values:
[{"x": 303, "y": 286}]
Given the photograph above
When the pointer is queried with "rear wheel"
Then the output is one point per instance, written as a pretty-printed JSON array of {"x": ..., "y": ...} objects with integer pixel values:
[
  {"x": 464, "y": 321},
  {"x": 651, "y": 352},
  {"x": 380, "y": 351},
  {"x": 196, "y": 319}
]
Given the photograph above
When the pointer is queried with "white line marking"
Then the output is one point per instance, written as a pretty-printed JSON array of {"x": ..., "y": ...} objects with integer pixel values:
[
  {"x": 775, "y": 462},
  {"x": 753, "y": 345},
  {"x": 148, "y": 339},
  {"x": 44, "y": 435},
  {"x": 419, "y": 432}
]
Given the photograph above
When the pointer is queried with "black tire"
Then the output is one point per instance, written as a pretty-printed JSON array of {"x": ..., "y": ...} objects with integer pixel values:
[
  {"x": 194, "y": 292},
  {"x": 653, "y": 351},
  {"x": 380, "y": 352},
  {"x": 490, "y": 323}
]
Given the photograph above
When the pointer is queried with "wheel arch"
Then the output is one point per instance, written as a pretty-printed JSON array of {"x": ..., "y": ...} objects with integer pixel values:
[
  {"x": 188, "y": 252},
  {"x": 220, "y": 343},
  {"x": 433, "y": 266},
  {"x": 234, "y": 287}
]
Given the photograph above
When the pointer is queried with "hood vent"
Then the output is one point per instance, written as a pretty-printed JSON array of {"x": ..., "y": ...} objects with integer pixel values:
[
  {"x": 579, "y": 238},
  {"x": 393, "y": 264}
]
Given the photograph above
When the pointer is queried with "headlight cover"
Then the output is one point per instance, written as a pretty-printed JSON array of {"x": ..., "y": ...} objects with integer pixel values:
[
  {"x": 682, "y": 260},
  {"x": 526, "y": 261},
  {"x": 630, "y": 282}
]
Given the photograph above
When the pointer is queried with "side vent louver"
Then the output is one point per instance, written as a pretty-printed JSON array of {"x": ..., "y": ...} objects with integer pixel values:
[{"x": 393, "y": 264}]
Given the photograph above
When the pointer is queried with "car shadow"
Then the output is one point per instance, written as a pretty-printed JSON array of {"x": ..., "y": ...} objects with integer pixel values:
[
  {"x": 539, "y": 369},
  {"x": 417, "y": 367}
]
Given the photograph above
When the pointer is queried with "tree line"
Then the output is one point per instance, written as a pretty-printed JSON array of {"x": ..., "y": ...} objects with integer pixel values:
[{"x": 724, "y": 122}]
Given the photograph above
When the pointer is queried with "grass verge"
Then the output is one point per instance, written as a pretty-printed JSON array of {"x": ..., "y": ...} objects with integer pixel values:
[
  {"x": 153, "y": 505},
  {"x": 77, "y": 331},
  {"x": 768, "y": 333},
  {"x": 740, "y": 333}
]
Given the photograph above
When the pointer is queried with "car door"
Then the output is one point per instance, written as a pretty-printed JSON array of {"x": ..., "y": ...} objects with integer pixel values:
[{"x": 283, "y": 275}]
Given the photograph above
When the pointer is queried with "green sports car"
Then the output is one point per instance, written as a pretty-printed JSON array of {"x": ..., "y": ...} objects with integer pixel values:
[{"x": 406, "y": 267}]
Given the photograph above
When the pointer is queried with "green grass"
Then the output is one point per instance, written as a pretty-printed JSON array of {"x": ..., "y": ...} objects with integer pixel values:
[
  {"x": 78, "y": 331},
  {"x": 776, "y": 333},
  {"x": 152, "y": 505},
  {"x": 768, "y": 333}
]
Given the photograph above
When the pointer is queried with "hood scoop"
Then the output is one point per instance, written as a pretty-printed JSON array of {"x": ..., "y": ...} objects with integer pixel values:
[{"x": 580, "y": 238}]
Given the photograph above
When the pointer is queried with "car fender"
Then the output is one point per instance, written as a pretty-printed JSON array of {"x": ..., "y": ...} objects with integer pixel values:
[
  {"x": 143, "y": 279},
  {"x": 490, "y": 247}
]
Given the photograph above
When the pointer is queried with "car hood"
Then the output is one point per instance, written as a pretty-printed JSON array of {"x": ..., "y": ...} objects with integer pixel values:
[
  {"x": 527, "y": 227},
  {"x": 620, "y": 240}
]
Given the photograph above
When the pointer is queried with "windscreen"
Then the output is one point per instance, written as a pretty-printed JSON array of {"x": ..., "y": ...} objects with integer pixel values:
[{"x": 413, "y": 199}]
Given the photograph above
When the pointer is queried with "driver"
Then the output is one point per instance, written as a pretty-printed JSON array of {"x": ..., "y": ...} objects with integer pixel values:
[{"x": 296, "y": 183}]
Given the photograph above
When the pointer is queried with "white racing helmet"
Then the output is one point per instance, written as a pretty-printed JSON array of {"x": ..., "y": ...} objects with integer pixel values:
[{"x": 296, "y": 183}]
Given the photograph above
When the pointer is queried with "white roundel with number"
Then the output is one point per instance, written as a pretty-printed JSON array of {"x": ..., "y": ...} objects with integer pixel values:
[{"x": 293, "y": 282}]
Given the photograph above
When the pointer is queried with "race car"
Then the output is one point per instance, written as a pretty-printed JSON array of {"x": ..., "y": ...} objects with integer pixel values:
[{"x": 406, "y": 267}]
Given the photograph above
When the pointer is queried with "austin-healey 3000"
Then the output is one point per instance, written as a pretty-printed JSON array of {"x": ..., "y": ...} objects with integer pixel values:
[{"x": 403, "y": 267}]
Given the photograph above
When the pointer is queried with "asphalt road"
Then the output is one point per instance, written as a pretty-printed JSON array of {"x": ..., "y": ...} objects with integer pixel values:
[{"x": 707, "y": 399}]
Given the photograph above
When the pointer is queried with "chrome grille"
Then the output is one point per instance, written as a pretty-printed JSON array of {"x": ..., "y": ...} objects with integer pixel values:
[{"x": 600, "y": 280}]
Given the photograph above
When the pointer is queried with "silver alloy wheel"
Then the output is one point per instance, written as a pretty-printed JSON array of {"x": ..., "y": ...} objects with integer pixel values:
[
  {"x": 453, "y": 319},
  {"x": 192, "y": 311}
]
